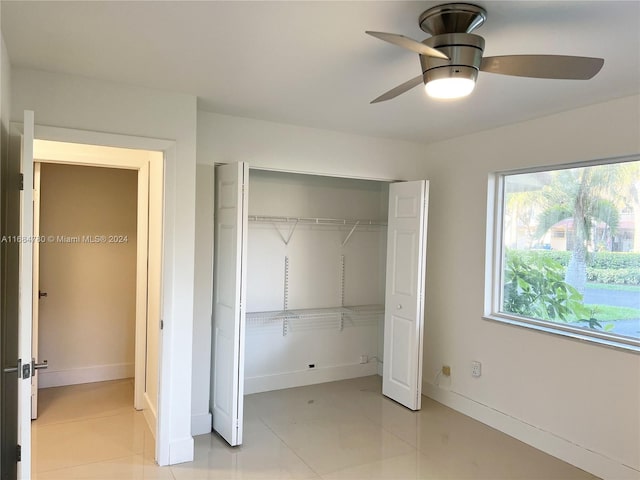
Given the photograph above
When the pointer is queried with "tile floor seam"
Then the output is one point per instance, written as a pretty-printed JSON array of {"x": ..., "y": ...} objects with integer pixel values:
[
  {"x": 87, "y": 463},
  {"x": 362, "y": 416},
  {"x": 289, "y": 447},
  {"x": 84, "y": 419},
  {"x": 395, "y": 434}
]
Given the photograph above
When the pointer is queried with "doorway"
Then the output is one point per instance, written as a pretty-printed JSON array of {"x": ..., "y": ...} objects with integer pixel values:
[
  {"x": 305, "y": 272},
  {"x": 86, "y": 277},
  {"x": 138, "y": 176}
]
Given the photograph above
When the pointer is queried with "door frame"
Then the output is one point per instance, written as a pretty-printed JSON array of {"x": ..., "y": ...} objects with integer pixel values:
[
  {"x": 65, "y": 154},
  {"x": 168, "y": 150},
  {"x": 35, "y": 294}
]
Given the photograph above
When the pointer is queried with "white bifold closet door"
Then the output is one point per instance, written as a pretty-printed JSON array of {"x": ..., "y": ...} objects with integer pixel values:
[
  {"x": 404, "y": 310},
  {"x": 229, "y": 300},
  {"x": 404, "y": 293}
]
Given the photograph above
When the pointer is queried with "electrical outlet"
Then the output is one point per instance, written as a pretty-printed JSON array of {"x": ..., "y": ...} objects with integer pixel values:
[
  {"x": 364, "y": 359},
  {"x": 446, "y": 370},
  {"x": 312, "y": 365},
  {"x": 476, "y": 369}
]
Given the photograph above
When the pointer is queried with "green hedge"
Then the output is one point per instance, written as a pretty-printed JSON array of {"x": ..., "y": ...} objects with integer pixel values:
[
  {"x": 618, "y": 276},
  {"x": 620, "y": 268},
  {"x": 529, "y": 255},
  {"x": 614, "y": 260}
]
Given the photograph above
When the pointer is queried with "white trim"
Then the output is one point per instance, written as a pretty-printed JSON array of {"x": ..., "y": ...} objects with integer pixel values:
[
  {"x": 35, "y": 310},
  {"x": 300, "y": 378},
  {"x": 548, "y": 442},
  {"x": 201, "y": 424},
  {"x": 322, "y": 174},
  {"x": 150, "y": 415},
  {"x": 181, "y": 451},
  {"x": 75, "y": 376}
]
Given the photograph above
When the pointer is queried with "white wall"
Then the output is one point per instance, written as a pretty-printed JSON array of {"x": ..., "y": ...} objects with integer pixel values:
[
  {"x": 5, "y": 97},
  {"x": 202, "y": 302},
  {"x": 5, "y": 90},
  {"x": 577, "y": 401},
  {"x": 274, "y": 360},
  {"x": 87, "y": 320},
  {"x": 86, "y": 104},
  {"x": 226, "y": 139}
]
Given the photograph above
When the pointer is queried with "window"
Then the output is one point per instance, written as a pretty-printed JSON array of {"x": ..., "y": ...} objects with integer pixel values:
[{"x": 566, "y": 251}]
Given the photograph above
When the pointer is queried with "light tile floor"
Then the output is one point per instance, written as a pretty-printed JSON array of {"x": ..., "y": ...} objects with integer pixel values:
[{"x": 338, "y": 430}]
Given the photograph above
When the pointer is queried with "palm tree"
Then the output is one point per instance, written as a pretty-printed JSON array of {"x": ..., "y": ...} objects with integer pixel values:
[
  {"x": 630, "y": 178},
  {"x": 583, "y": 195},
  {"x": 521, "y": 210}
]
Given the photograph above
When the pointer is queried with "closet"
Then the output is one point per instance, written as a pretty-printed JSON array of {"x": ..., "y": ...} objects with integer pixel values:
[{"x": 304, "y": 266}]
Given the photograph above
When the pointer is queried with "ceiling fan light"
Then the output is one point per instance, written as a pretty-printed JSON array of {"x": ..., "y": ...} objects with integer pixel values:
[
  {"x": 450, "y": 81},
  {"x": 450, "y": 87}
]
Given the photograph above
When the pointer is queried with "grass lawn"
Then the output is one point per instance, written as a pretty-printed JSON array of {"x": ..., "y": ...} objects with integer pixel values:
[{"x": 613, "y": 286}]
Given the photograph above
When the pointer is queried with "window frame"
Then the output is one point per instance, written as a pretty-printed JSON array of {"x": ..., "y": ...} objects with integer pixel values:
[{"x": 494, "y": 256}]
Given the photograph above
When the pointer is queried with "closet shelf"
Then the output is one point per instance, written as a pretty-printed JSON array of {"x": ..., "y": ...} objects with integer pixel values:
[
  {"x": 316, "y": 318},
  {"x": 315, "y": 220},
  {"x": 293, "y": 222}
]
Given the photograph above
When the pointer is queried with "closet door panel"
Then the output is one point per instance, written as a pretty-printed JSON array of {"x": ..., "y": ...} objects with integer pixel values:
[
  {"x": 404, "y": 299},
  {"x": 229, "y": 301}
]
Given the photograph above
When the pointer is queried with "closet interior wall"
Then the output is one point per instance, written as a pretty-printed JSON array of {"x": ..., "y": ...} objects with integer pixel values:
[{"x": 315, "y": 279}]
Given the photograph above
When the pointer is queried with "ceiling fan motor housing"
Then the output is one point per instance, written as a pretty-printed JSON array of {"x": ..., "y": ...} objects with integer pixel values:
[{"x": 465, "y": 56}]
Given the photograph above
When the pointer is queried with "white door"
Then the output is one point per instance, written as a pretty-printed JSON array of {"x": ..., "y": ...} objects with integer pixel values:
[
  {"x": 36, "y": 289},
  {"x": 228, "y": 298},
  {"x": 26, "y": 297},
  {"x": 404, "y": 298}
]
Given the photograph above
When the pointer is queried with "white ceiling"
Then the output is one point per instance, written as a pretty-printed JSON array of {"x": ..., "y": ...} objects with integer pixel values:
[{"x": 310, "y": 63}]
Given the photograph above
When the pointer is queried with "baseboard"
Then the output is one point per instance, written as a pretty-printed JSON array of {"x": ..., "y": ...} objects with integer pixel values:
[
  {"x": 150, "y": 414},
  {"x": 73, "y": 376},
  {"x": 181, "y": 451},
  {"x": 201, "y": 424},
  {"x": 307, "y": 377},
  {"x": 548, "y": 442}
]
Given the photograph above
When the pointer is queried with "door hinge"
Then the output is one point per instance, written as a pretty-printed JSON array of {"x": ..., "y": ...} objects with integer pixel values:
[
  {"x": 161, "y": 324},
  {"x": 26, "y": 370},
  {"x": 18, "y": 453},
  {"x": 21, "y": 181}
]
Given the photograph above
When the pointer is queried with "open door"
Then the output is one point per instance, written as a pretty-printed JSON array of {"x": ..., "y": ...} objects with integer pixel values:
[
  {"x": 18, "y": 260},
  {"x": 404, "y": 298},
  {"x": 15, "y": 335},
  {"x": 26, "y": 297},
  {"x": 229, "y": 292}
]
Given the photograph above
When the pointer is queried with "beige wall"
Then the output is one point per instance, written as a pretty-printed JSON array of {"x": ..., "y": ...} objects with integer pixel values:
[
  {"x": 87, "y": 321},
  {"x": 577, "y": 400}
]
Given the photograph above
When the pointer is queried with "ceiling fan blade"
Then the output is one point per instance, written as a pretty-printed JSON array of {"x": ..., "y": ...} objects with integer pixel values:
[
  {"x": 543, "y": 66},
  {"x": 408, "y": 43},
  {"x": 400, "y": 89}
]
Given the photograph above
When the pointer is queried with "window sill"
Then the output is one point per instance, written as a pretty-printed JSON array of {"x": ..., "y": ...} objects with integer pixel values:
[{"x": 597, "y": 338}]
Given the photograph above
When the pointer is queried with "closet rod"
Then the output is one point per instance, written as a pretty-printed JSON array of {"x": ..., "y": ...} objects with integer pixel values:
[{"x": 315, "y": 220}]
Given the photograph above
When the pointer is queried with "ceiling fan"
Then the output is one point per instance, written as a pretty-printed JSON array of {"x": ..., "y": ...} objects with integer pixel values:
[{"x": 452, "y": 57}]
